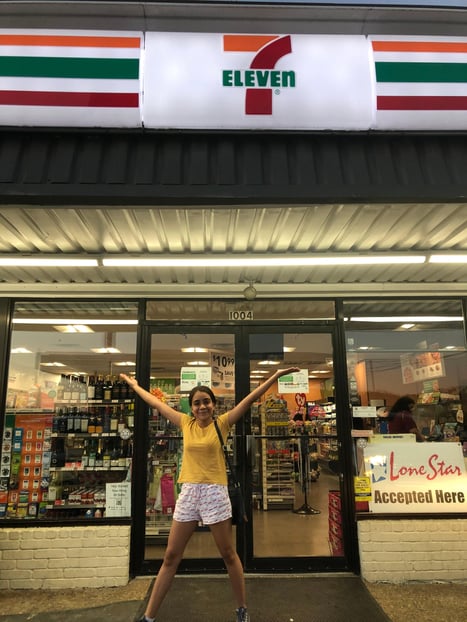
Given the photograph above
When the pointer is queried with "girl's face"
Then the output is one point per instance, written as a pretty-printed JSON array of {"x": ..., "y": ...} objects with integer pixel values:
[{"x": 202, "y": 408}]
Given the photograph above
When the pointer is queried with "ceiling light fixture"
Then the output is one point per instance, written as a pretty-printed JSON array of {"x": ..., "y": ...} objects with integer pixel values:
[
  {"x": 245, "y": 261},
  {"x": 74, "y": 321},
  {"x": 48, "y": 262},
  {"x": 198, "y": 363},
  {"x": 416, "y": 319},
  {"x": 460, "y": 258},
  {"x": 105, "y": 350},
  {"x": 73, "y": 328},
  {"x": 194, "y": 349}
]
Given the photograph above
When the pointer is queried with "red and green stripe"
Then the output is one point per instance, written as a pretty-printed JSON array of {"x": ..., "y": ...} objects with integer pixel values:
[
  {"x": 101, "y": 68},
  {"x": 405, "y": 72}
]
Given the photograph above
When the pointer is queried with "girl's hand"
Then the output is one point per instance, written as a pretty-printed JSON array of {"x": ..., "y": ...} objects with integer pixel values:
[
  {"x": 289, "y": 370},
  {"x": 132, "y": 382}
]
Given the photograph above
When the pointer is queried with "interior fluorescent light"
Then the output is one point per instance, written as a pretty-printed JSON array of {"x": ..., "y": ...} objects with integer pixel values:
[
  {"x": 105, "y": 350},
  {"x": 51, "y": 262},
  {"x": 264, "y": 261},
  {"x": 268, "y": 362},
  {"x": 73, "y": 328},
  {"x": 125, "y": 364},
  {"x": 194, "y": 349},
  {"x": 74, "y": 321},
  {"x": 448, "y": 258},
  {"x": 21, "y": 351},
  {"x": 198, "y": 363},
  {"x": 54, "y": 364},
  {"x": 416, "y": 319}
]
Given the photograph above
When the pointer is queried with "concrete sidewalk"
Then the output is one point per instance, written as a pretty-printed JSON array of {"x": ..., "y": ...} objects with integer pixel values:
[{"x": 342, "y": 598}]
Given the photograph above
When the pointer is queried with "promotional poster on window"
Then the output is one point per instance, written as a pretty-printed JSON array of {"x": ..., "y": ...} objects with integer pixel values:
[
  {"x": 416, "y": 478},
  {"x": 421, "y": 366}
]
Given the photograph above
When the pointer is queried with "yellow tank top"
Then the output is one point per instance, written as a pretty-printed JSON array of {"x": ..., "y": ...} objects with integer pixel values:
[{"x": 203, "y": 459}]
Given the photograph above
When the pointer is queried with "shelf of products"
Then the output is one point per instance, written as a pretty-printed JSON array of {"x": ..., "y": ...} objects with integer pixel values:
[
  {"x": 66, "y": 461},
  {"x": 276, "y": 456}
]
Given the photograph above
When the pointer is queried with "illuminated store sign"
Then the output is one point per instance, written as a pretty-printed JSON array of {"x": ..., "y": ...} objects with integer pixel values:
[{"x": 232, "y": 81}]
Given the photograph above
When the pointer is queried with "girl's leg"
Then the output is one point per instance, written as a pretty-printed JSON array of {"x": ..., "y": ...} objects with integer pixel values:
[
  {"x": 222, "y": 533},
  {"x": 179, "y": 535}
]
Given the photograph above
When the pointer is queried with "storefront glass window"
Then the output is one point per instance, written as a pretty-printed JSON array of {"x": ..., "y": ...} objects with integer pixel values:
[
  {"x": 67, "y": 434},
  {"x": 414, "y": 350}
]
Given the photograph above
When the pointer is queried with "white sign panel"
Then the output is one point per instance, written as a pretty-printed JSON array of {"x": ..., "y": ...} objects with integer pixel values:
[
  {"x": 364, "y": 411},
  {"x": 267, "y": 81},
  {"x": 416, "y": 478},
  {"x": 294, "y": 383},
  {"x": 70, "y": 78},
  {"x": 118, "y": 499},
  {"x": 421, "y": 82},
  {"x": 193, "y": 377}
]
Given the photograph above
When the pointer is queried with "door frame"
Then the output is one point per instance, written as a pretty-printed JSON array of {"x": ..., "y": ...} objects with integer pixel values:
[{"x": 244, "y": 533}]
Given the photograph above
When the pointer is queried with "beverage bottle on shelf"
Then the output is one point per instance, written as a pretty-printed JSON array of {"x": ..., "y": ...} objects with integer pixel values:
[
  {"x": 56, "y": 421},
  {"x": 83, "y": 389},
  {"x": 61, "y": 388},
  {"x": 99, "y": 427},
  {"x": 70, "y": 422},
  {"x": 85, "y": 456},
  {"x": 99, "y": 455},
  {"x": 91, "y": 389},
  {"x": 92, "y": 455},
  {"x": 123, "y": 390},
  {"x": 76, "y": 419},
  {"x": 75, "y": 389},
  {"x": 67, "y": 389},
  {"x": 99, "y": 388},
  {"x": 106, "y": 425},
  {"x": 122, "y": 454},
  {"x": 121, "y": 420},
  {"x": 106, "y": 456},
  {"x": 114, "y": 454},
  {"x": 107, "y": 389},
  {"x": 113, "y": 419},
  {"x": 92, "y": 421},
  {"x": 130, "y": 416},
  {"x": 62, "y": 422},
  {"x": 116, "y": 389},
  {"x": 84, "y": 420}
]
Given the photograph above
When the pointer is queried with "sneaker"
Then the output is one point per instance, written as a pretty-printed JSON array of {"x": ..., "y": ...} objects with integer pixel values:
[{"x": 242, "y": 615}]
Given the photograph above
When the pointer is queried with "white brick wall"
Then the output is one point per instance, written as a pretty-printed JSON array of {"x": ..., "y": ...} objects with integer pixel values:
[
  {"x": 63, "y": 557},
  {"x": 404, "y": 550}
]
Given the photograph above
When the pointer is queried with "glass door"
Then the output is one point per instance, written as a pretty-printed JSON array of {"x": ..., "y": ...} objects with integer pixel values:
[
  {"x": 180, "y": 361},
  {"x": 294, "y": 456}
]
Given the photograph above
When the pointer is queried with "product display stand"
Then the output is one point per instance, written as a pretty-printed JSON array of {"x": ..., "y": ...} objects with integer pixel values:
[{"x": 305, "y": 509}]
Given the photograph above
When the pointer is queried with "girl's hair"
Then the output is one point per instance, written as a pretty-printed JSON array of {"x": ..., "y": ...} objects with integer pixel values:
[
  {"x": 201, "y": 389},
  {"x": 403, "y": 403}
]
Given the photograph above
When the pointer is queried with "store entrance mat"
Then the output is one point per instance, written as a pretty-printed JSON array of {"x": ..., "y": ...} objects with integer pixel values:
[{"x": 276, "y": 598}]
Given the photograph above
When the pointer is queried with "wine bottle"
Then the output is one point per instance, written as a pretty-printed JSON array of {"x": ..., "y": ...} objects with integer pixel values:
[
  {"x": 85, "y": 456},
  {"x": 99, "y": 389},
  {"x": 113, "y": 420},
  {"x": 99, "y": 455},
  {"x": 91, "y": 388},
  {"x": 84, "y": 420},
  {"x": 92, "y": 421},
  {"x": 99, "y": 427},
  {"x": 121, "y": 420},
  {"x": 67, "y": 389},
  {"x": 107, "y": 389}
]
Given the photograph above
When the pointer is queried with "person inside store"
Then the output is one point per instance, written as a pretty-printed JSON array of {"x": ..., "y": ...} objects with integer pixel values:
[
  {"x": 400, "y": 419},
  {"x": 204, "y": 494}
]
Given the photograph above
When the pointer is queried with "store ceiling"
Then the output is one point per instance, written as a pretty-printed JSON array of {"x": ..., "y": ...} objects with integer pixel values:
[{"x": 235, "y": 230}]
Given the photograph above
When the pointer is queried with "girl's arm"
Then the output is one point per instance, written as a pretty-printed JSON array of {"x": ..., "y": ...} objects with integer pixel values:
[
  {"x": 174, "y": 416},
  {"x": 240, "y": 409}
]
